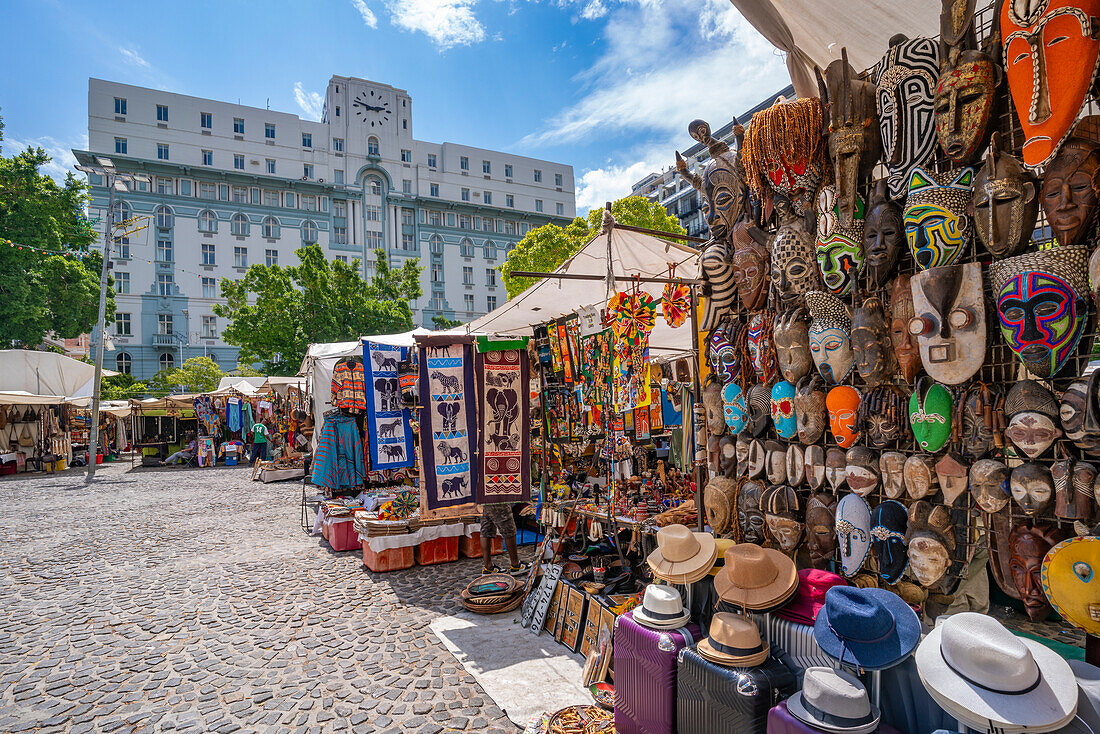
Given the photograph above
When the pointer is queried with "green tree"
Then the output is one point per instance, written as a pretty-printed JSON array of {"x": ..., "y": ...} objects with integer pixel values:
[
  {"x": 442, "y": 322},
  {"x": 42, "y": 292},
  {"x": 544, "y": 248},
  {"x": 122, "y": 387},
  {"x": 244, "y": 370},
  {"x": 197, "y": 374},
  {"x": 276, "y": 312}
]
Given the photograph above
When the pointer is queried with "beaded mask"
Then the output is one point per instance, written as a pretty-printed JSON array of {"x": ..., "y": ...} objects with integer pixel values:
[
  {"x": 965, "y": 94},
  {"x": 794, "y": 262},
  {"x": 906, "y": 78},
  {"x": 853, "y": 532},
  {"x": 839, "y": 245},
  {"x": 791, "y": 335},
  {"x": 783, "y": 410},
  {"x": 784, "y": 152},
  {"x": 830, "y": 336},
  {"x": 883, "y": 235},
  {"x": 733, "y": 405},
  {"x": 937, "y": 219},
  {"x": 888, "y": 524},
  {"x": 1006, "y": 204}
]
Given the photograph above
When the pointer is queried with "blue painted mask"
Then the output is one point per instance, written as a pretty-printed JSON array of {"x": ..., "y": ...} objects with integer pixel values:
[
  {"x": 733, "y": 407},
  {"x": 783, "y": 416}
]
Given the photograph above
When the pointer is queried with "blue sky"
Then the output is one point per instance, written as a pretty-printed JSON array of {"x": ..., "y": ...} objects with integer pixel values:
[{"x": 605, "y": 85}]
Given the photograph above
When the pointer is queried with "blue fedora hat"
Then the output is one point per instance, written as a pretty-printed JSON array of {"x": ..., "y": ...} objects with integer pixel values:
[{"x": 872, "y": 629}]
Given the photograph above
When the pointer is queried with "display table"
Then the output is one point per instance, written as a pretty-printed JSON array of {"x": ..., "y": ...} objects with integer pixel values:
[
  {"x": 471, "y": 542},
  {"x": 277, "y": 475},
  {"x": 424, "y": 545}
]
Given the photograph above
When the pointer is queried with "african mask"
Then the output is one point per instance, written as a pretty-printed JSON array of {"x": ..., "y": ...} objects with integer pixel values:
[
  {"x": 1094, "y": 277},
  {"x": 1041, "y": 302},
  {"x": 906, "y": 78},
  {"x": 783, "y": 411},
  {"x": 722, "y": 355},
  {"x": 830, "y": 336},
  {"x": 791, "y": 335},
  {"x": 930, "y": 539},
  {"x": 1071, "y": 185},
  {"x": 716, "y": 266},
  {"x": 1031, "y": 410},
  {"x": 1077, "y": 413},
  {"x": 920, "y": 476},
  {"x": 862, "y": 470},
  {"x": 809, "y": 408},
  {"x": 930, "y": 415},
  {"x": 761, "y": 352},
  {"x": 965, "y": 99},
  {"x": 733, "y": 405},
  {"x": 784, "y": 153},
  {"x": 794, "y": 260},
  {"x": 758, "y": 460},
  {"x": 1006, "y": 204},
  {"x": 783, "y": 514},
  {"x": 891, "y": 467},
  {"x": 727, "y": 457},
  {"x": 839, "y": 246},
  {"x": 750, "y": 519},
  {"x": 871, "y": 343},
  {"x": 1027, "y": 546},
  {"x": 853, "y": 532},
  {"x": 979, "y": 408},
  {"x": 953, "y": 477},
  {"x": 883, "y": 235},
  {"x": 1073, "y": 483},
  {"x": 722, "y": 183},
  {"x": 949, "y": 321},
  {"x": 796, "y": 465},
  {"x": 821, "y": 529},
  {"x": 836, "y": 468},
  {"x": 888, "y": 524},
  {"x": 741, "y": 451},
  {"x": 777, "y": 462},
  {"x": 842, "y": 402},
  {"x": 760, "y": 409},
  {"x": 1050, "y": 52},
  {"x": 906, "y": 349},
  {"x": 1032, "y": 487},
  {"x": 1072, "y": 584},
  {"x": 712, "y": 401},
  {"x": 989, "y": 485},
  {"x": 937, "y": 219},
  {"x": 883, "y": 415},
  {"x": 815, "y": 467},
  {"x": 750, "y": 270}
]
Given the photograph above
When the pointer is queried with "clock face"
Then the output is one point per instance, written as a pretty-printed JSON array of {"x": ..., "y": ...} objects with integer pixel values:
[{"x": 371, "y": 108}]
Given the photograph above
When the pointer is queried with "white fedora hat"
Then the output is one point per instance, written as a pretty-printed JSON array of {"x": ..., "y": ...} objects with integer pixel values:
[
  {"x": 992, "y": 680},
  {"x": 835, "y": 701},
  {"x": 661, "y": 608}
]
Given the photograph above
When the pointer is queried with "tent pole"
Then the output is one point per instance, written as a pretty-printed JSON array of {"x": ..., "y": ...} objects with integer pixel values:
[
  {"x": 577, "y": 276},
  {"x": 659, "y": 234},
  {"x": 699, "y": 467}
]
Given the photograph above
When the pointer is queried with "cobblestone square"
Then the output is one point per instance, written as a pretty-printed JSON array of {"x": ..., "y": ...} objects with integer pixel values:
[{"x": 190, "y": 600}]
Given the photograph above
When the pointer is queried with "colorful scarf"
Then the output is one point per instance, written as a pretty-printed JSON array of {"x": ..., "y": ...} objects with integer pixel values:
[{"x": 448, "y": 420}]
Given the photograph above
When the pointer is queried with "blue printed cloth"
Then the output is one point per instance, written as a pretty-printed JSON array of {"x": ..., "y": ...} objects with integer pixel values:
[{"x": 338, "y": 461}]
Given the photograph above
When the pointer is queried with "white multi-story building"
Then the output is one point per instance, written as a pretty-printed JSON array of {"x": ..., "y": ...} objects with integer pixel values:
[{"x": 232, "y": 185}]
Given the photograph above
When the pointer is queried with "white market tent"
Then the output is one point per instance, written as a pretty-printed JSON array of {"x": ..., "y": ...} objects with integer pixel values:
[
  {"x": 47, "y": 374},
  {"x": 233, "y": 380}
]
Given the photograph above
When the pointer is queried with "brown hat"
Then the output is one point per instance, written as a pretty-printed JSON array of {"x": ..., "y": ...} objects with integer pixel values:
[
  {"x": 682, "y": 556},
  {"x": 733, "y": 641},
  {"x": 756, "y": 578}
]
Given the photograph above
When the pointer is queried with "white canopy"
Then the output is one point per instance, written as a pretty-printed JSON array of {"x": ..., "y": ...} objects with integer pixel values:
[
  {"x": 631, "y": 253},
  {"x": 46, "y": 373},
  {"x": 233, "y": 380},
  {"x": 21, "y": 397}
]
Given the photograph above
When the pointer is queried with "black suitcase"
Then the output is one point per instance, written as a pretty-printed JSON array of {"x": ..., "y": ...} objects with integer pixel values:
[{"x": 714, "y": 698}]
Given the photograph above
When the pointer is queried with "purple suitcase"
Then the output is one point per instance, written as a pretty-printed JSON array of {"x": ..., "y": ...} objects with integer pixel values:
[
  {"x": 645, "y": 675},
  {"x": 780, "y": 721}
]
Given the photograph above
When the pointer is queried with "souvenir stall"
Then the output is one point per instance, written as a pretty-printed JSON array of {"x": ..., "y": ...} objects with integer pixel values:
[
  {"x": 159, "y": 425},
  {"x": 114, "y": 426},
  {"x": 34, "y": 432}
]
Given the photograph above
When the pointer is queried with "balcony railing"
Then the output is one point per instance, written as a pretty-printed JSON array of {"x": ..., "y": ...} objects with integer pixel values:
[{"x": 164, "y": 340}]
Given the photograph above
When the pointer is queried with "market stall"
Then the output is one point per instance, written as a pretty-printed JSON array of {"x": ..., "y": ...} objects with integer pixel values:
[{"x": 33, "y": 432}]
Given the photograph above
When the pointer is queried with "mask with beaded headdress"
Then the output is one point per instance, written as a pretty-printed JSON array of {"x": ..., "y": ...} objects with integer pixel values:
[{"x": 784, "y": 152}]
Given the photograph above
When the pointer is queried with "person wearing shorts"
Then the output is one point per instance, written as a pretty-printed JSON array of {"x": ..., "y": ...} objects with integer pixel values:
[{"x": 497, "y": 519}]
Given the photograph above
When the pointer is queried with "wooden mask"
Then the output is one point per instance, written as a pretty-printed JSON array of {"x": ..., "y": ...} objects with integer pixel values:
[
  {"x": 883, "y": 415},
  {"x": 815, "y": 467},
  {"x": 1071, "y": 184},
  {"x": 783, "y": 514},
  {"x": 888, "y": 524},
  {"x": 906, "y": 78},
  {"x": 796, "y": 465},
  {"x": 758, "y": 459},
  {"x": 1073, "y": 489},
  {"x": 761, "y": 351},
  {"x": 1071, "y": 582},
  {"x": 989, "y": 485},
  {"x": 949, "y": 321},
  {"x": 883, "y": 235},
  {"x": 1006, "y": 204},
  {"x": 821, "y": 539},
  {"x": 716, "y": 268},
  {"x": 830, "y": 336},
  {"x": 937, "y": 216},
  {"x": 966, "y": 92},
  {"x": 760, "y": 409},
  {"x": 791, "y": 335},
  {"x": 1050, "y": 50},
  {"x": 784, "y": 152},
  {"x": 809, "y": 405},
  {"x": 842, "y": 402},
  {"x": 853, "y": 532},
  {"x": 871, "y": 343},
  {"x": 1027, "y": 546},
  {"x": 712, "y": 401},
  {"x": 783, "y": 410},
  {"x": 1032, "y": 487},
  {"x": 1041, "y": 302},
  {"x": 862, "y": 471},
  {"x": 930, "y": 539},
  {"x": 722, "y": 183},
  {"x": 980, "y": 418},
  {"x": 750, "y": 519},
  {"x": 741, "y": 451},
  {"x": 839, "y": 245},
  {"x": 891, "y": 468},
  {"x": 953, "y": 476},
  {"x": 906, "y": 349},
  {"x": 793, "y": 261},
  {"x": 750, "y": 270},
  {"x": 777, "y": 462},
  {"x": 836, "y": 468},
  {"x": 852, "y": 129},
  {"x": 1073, "y": 413},
  {"x": 920, "y": 476},
  {"x": 930, "y": 415}
]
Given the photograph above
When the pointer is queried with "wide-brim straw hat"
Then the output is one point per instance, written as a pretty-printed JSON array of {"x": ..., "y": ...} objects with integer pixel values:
[
  {"x": 682, "y": 556},
  {"x": 733, "y": 641},
  {"x": 756, "y": 578},
  {"x": 662, "y": 608},
  {"x": 834, "y": 701}
]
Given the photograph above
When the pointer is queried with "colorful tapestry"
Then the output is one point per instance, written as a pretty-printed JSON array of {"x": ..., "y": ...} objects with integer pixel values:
[
  {"x": 505, "y": 444},
  {"x": 630, "y": 377},
  {"x": 390, "y": 444},
  {"x": 448, "y": 420},
  {"x": 566, "y": 355},
  {"x": 595, "y": 365}
]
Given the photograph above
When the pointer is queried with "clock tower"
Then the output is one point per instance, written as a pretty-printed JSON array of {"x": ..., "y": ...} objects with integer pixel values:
[{"x": 374, "y": 109}]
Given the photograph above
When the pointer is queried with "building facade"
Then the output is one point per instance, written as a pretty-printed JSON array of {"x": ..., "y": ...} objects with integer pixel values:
[{"x": 231, "y": 185}]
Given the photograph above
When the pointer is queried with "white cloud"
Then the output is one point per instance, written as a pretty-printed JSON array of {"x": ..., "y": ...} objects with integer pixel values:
[
  {"x": 62, "y": 160},
  {"x": 133, "y": 58},
  {"x": 367, "y": 14},
  {"x": 312, "y": 103},
  {"x": 600, "y": 185},
  {"x": 447, "y": 22}
]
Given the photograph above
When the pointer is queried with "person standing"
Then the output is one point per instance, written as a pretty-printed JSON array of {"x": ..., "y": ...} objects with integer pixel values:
[
  {"x": 497, "y": 519},
  {"x": 259, "y": 442}
]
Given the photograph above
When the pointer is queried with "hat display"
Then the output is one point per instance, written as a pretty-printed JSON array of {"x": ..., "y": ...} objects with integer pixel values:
[
  {"x": 662, "y": 608},
  {"x": 834, "y": 701},
  {"x": 872, "y": 629},
  {"x": 755, "y": 578},
  {"x": 809, "y": 597},
  {"x": 734, "y": 641},
  {"x": 1071, "y": 583},
  {"x": 992, "y": 680},
  {"x": 682, "y": 556}
]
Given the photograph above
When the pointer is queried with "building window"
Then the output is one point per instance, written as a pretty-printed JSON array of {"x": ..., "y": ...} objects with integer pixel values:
[
  {"x": 372, "y": 146},
  {"x": 406, "y": 156},
  {"x": 407, "y": 216},
  {"x": 337, "y": 106},
  {"x": 433, "y": 189},
  {"x": 465, "y": 194},
  {"x": 557, "y": 179},
  {"x": 209, "y": 288},
  {"x": 123, "y": 363},
  {"x": 162, "y": 113},
  {"x": 468, "y": 301},
  {"x": 120, "y": 146},
  {"x": 122, "y": 282},
  {"x": 538, "y": 176},
  {"x": 207, "y": 190},
  {"x": 408, "y": 242},
  {"x": 239, "y": 226},
  {"x": 208, "y": 221},
  {"x": 288, "y": 200},
  {"x": 374, "y": 186},
  {"x": 467, "y": 248},
  {"x": 437, "y": 273},
  {"x": 431, "y": 160},
  {"x": 490, "y": 302},
  {"x": 167, "y": 361},
  {"x": 271, "y": 198},
  {"x": 467, "y": 275},
  {"x": 166, "y": 187},
  {"x": 223, "y": 192},
  {"x": 488, "y": 224},
  {"x": 308, "y": 202},
  {"x": 164, "y": 251},
  {"x": 209, "y": 327},
  {"x": 510, "y": 201},
  {"x": 490, "y": 277},
  {"x": 240, "y": 257},
  {"x": 162, "y": 151},
  {"x": 490, "y": 251},
  {"x": 339, "y": 208},
  {"x": 372, "y": 213},
  {"x": 122, "y": 324},
  {"x": 435, "y": 218},
  {"x": 208, "y": 160},
  {"x": 269, "y": 130},
  {"x": 164, "y": 284},
  {"x": 338, "y": 176},
  {"x": 559, "y": 209},
  {"x": 374, "y": 240},
  {"x": 239, "y": 195},
  {"x": 307, "y": 140},
  {"x": 507, "y": 170},
  {"x": 338, "y": 145},
  {"x": 307, "y": 171},
  {"x": 271, "y": 228},
  {"x": 406, "y": 186},
  {"x": 309, "y": 232},
  {"x": 238, "y": 126},
  {"x": 404, "y": 123},
  {"x": 487, "y": 197},
  {"x": 164, "y": 217},
  {"x": 206, "y": 120},
  {"x": 340, "y": 234},
  {"x": 271, "y": 257},
  {"x": 238, "y": 161},
  {"x": 120, "y": 105},
  {"x": 122, "y": 248},
  {"x": 435, "y": 243},
  {"x": 509, "y": 227},
  {"x": 538, "y": 205},
  {"x": 463, "y": 221},
  {"x": 486, "y": 167},
  {"x": 464, "y": 163}
]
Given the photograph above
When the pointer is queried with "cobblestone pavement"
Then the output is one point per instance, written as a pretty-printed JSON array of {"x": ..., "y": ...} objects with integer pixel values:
[{"x": 191, "y": 600}]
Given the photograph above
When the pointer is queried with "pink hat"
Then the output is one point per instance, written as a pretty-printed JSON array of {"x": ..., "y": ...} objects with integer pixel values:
[{"x": 809, "y": 598}]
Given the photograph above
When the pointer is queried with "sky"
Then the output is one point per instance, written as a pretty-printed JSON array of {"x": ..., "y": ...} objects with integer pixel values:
[{"x": 608, "y": 86}]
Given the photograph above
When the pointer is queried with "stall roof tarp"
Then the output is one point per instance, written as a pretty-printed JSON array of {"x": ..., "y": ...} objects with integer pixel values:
[
  {"x": 22, "y": 397},
  {"x": 232, "y": 380},
  {"x": 46, "y": 373},
  {"x": 177, "y": 402},
  {"x": 334, "y": 351},
  {"x": 631, "y": 253},
  {"x": 282, "y": 385}
]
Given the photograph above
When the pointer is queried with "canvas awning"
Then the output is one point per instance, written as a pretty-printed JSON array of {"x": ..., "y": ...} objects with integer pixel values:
[
  {"x": 21, "y": 397},
  {"x": 46, "y": 373}
]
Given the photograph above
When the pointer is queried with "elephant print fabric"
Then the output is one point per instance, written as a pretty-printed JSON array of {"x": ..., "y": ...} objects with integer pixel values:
[
  {"x": 448, "y": 421},
  {"x": 502, "y": 377},
  {"x": 391, "y": 438}
]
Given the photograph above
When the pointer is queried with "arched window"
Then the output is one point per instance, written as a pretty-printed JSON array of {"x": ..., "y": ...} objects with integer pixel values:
[
  {"x": 374, "y": 186},
  {"x": 208, "y": 221},
  {"x": 490, "y": 250},
  {"x": 467, "y": 247},
  {"x": 309, "y": 232},
  {"x": 239, "y": 224},
  {"x": 271, "y": 228},
  {"x": 167, "y": 361},
  {"x": 122, "y": 211},
  {"x": 436, "y": 243},
  {"x": 164, "y": 217},
  {"x": 123, "y": 362},
  {"x": 372, "y": 146}
]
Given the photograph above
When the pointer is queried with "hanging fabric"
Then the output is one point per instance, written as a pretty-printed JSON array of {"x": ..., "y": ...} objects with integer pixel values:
[
  {"x": 338, "y": 462},
  {"x": 233, "y": 414}
]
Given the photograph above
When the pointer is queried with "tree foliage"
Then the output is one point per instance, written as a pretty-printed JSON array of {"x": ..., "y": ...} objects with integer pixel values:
[
  {"x": 40, "y": 292},
  {"x": 276, "y": 312},
  {"x": 443, "y": 323},
  {"x": 122, "y": 387},
  {"x": 544, "y": 248},
  {"x": 197, "y": 374}
]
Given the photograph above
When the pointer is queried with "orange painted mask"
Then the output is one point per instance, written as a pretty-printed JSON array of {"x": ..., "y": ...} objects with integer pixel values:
[{"x": 842, "y": 402}]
